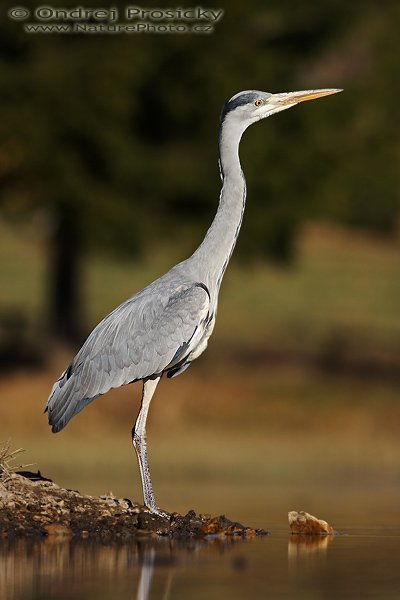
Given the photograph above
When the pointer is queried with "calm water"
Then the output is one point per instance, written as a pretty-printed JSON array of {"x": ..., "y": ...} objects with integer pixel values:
[{"x": 361, "y": 563}]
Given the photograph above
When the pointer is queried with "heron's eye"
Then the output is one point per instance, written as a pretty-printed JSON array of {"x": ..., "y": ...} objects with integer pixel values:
[{"x": 258, "y": 102}]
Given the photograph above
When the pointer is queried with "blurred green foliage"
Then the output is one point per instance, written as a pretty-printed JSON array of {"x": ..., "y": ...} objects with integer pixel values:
[
  {"x": 112, "y": 139},
  {"x": 122, "y": 128}
]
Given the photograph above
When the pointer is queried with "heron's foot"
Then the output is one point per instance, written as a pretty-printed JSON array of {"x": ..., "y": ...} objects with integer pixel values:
[
  {"x": 150, "y": 501},
  {"x": 154, "y": 510}
]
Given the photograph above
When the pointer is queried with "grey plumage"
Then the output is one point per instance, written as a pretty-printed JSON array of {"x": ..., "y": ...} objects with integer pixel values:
[
  {"x": 151, "y": 333},
  {"x": 165, "y": 326}
]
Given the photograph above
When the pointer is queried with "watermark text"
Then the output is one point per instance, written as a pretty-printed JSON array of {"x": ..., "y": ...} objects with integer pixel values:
[{"x": 129, "y": 19}]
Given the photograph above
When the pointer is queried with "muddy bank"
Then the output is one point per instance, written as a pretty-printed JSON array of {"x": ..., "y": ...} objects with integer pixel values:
[{"x": 32, "y": 506}]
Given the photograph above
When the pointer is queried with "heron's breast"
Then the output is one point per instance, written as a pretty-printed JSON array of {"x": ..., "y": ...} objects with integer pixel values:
[{"x": 202, "y": 340}]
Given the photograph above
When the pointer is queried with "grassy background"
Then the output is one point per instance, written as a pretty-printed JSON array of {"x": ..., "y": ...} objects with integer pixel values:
[{"x": 294, "y": 405}]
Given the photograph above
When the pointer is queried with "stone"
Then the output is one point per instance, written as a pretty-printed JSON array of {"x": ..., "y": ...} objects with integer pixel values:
[{"x": 305, "y": 524}]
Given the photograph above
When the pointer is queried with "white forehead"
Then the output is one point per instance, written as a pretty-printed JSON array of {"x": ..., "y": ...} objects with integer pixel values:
[{"x": 246, "y": 92}]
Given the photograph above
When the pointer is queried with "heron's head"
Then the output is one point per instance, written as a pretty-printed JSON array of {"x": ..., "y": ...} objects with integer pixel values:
[{"x": 250, "y": 106}]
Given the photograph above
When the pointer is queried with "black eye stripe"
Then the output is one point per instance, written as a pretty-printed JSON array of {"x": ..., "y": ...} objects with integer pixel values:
[
  {"x": 245, "y": 98},
  {"x": 239, "y": 101}
]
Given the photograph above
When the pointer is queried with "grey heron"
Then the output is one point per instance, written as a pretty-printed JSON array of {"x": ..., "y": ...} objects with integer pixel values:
[{"x": 164, "y": 327}]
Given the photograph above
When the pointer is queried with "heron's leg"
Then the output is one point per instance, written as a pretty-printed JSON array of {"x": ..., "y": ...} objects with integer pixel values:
[{"x": 140, "y": 445}]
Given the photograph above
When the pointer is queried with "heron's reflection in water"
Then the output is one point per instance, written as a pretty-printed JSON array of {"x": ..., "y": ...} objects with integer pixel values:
[
  {"x": 46, "y": 569},
  {"x": 152, "y": 560},
  {"x": 146, "y": 575}
]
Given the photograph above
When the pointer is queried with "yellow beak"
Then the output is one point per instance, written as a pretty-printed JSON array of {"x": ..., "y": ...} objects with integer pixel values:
[{"x": 296, "y": 97}]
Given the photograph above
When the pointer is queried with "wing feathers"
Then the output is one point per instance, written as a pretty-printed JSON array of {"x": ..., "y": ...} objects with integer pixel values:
[{"x": 142, "y": 337}]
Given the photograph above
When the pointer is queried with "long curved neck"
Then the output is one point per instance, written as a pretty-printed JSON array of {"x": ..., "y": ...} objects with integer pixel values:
[{"x": 216, "y": 249}]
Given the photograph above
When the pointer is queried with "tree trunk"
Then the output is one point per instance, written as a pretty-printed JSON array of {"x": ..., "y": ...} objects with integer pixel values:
[{"x": 65, "y": 278}]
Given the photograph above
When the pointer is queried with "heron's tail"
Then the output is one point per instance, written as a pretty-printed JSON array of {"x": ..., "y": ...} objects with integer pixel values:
[{"x": 65, "y": 400}]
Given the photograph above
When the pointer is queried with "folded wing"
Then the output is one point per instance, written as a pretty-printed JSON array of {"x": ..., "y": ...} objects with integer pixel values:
[{"x": 151, "y": 332}]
